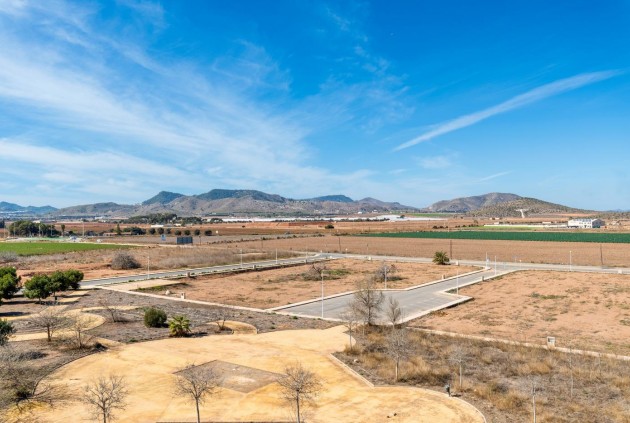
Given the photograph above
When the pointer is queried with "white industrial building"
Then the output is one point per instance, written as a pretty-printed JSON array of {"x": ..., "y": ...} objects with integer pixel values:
[{"x": 585, "y": 223}]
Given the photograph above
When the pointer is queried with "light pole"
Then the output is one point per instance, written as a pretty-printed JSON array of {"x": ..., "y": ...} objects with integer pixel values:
[
  {"x": 276, "y": 256},
  {"x": 570, "y": 261},
  {"x": 148, "y": 266},
  {"x": 241, "y": 257},
  {"x": 322, "y": 274},
  {"x": 457, "y": 282},
  {"x": 495, "y": 265}
]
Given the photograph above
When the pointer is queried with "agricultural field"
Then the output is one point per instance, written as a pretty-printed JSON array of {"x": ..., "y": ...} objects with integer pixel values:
[
  {"x": 39, "y": 248},
  {"x": 583, "y": 253},
  {"x": 582, "y": 310},
  {"x": 623, "y": 238},
  {"x": 278, "y": 287}
]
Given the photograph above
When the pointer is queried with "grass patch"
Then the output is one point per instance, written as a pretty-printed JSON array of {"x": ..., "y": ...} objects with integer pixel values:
[
  {"x": 160, "y": 288},
  {"x": 39, "y": 248}
]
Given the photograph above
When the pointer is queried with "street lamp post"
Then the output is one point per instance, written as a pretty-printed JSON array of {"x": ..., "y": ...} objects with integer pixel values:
[
  {"x": 322, "y": 274},
  {"x": 457, "y": 282},
  {"x": 570, "y": 261},
  {"x": 241, "y": 257},
  {"x": 148, "y": 266}
]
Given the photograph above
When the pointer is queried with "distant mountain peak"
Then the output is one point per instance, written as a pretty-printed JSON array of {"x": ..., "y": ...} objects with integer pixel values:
[
  {"x": 472, "y": 203},
  {"x": 162, "y": 197},
  {"x": 220, "y": 194},
  {"x": 336, "y": 198}
]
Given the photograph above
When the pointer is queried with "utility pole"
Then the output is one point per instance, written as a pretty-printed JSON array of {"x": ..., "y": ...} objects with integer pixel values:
[
  {"x": 241, "y": 257},
  {"x": 148, "y": 266},
  {"x": 601, "y": 255},
  {"x": 570, "y": 261},
  {"x": 322, "y": 273}
]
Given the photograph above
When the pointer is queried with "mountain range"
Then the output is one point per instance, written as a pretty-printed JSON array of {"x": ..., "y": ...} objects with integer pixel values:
[{"x": 224, "y": 201}]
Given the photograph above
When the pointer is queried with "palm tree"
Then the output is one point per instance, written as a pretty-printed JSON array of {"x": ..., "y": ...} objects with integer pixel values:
[
  {"x": 179, "y": 326},
  {"x": 440, "y": 257}
]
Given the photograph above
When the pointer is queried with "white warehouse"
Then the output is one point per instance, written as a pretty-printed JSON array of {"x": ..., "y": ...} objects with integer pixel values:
[{"x": 585, "y": 223}]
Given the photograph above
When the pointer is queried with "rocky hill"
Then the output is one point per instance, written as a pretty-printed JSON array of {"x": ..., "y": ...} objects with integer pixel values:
[
  {"x": 223, "y": 201},
  {"x": 530, "y": 206},
  {"x": 11, "y": 208},
  {"x": 467, "y": 204}
]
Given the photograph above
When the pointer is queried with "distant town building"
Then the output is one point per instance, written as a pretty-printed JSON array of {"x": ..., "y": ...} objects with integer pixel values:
[{"x": 585, "y": 223}]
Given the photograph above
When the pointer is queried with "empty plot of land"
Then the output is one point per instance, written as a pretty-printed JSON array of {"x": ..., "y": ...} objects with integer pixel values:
[
  {"x": 582, "y": 310},
  {"x": 582, "y": 253},
  {"x": 278, "y": 287}
]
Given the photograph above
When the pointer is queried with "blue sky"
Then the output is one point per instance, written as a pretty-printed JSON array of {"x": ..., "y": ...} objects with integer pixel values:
[{"x": 409, "y": 101}]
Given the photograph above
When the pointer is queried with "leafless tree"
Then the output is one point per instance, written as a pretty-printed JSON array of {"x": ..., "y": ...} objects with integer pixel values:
[
  {"x": 197, "y": 383},
  {"x": 21, "y": 383},
  {"x": 114, "y": 312},
  {"x": 350, "y": 320},
  {"x": 367, "y": 301},
  {"x": 535, "y": 386},
  {"x": 393, "y": 312},
  {"x": 317, "y": 271},
  {"x": 78, "y": 325},
  {"x": 458, "y": 357},
  {"x": 384, "y": 271},
  {"x": 106, "y": 395},
  {"x": 51, "y": 319},
  {"x": 299, "y": 387},
  {"x": 398, "y": 347},
  {"x": 222, "y": 316}
]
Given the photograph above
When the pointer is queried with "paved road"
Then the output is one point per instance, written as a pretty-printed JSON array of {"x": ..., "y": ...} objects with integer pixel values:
[
  {"x": 181, "y": 272},
  {"x": 418, "y": 301},
  {"x": 414, "y": 302}
]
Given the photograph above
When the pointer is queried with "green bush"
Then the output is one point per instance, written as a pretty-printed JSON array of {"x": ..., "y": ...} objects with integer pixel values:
[
  {"x": 154, "y": 317},
  {"x": 6, "y": 330}
]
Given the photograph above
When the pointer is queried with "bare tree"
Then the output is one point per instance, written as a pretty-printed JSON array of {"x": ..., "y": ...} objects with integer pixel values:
[
  {"x": 350, "y": 320},
  {"x": 51, "y": 319},
  {"x": 384, "y": 271},
  {"x": 113, "y": 311},
  {"x": 393, "y": 312},
  {"x": 398, "y": 347},
  {"x": 367, "y": 301},
  {"x": 459, "y": 357},
  {"x": 317, "y": 271},
  {"x": 106, "y": 395},
  {"x": 299, "y": 387},
  {"x": 196, "y": 383},
  {"x": 78, "y": 325},
  {"x": 223, "y": 315},
  {"x": 21, "y": 383}
]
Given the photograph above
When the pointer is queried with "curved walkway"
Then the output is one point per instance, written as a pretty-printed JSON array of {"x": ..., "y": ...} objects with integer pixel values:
[{"x": 149, "y": 371}]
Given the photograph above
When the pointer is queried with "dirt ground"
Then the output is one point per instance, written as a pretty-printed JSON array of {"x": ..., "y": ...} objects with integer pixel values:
[
  {"x": 150, "y": 370},
  {"x": 96, "y": 264},
  {"x": 583, "y": 253},
  {"x": 277, "y": 287},
  {"x": 582, "y": 310}
]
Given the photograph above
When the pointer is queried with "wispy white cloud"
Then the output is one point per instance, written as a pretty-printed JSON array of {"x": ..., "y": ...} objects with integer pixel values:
[
  {"x": 532, "y": 96},
  {"x": 435, "y": 162},
  {"x": 494, "y": 176}
]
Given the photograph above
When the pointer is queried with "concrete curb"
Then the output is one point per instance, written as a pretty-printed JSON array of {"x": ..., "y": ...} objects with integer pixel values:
[{"x": 350, "y": 371}]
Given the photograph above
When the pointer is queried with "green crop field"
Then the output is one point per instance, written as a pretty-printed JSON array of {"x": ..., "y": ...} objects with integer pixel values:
[
  {"x": 36, "y": 248},
  {"x": 621, "y": 238}
]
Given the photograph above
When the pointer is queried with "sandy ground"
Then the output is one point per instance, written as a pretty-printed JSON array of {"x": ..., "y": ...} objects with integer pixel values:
[
  {"x": 149, "y": 370},
  {"x": 583, "y": 253},
  {"x": 588, "y": 311},
  {"x": 277, "y": 287}
]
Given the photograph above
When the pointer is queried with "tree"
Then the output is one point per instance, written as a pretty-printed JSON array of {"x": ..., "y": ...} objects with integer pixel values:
[
  {"x": 152, "y": 231},
  {"x": 154, "y": 317},
  {"x": 106, "y": 395},
  {"x": 384, "y": 271},
  {"x": 63, "y": 229},
  {"x": 9, "y": 283},
  {"x": 79, "y": 324},
  {"x": 197, "y": 383},
  {"x": 393, "y": 312},
  {"x": 179, "y": 326},
  {"x": 160, "y": 231},
  {"x": 197, "y": 232},
  {"x": 441, "y": 258},
  {"x": 350, "y": 320},
  {"x": 51, "y": 320},
  {"x": 63, "y": 281},
  {"x": 367, "y": 301},
  {"x": 459, "y": 357},
  {"x": 124, "y": 261},
  {"x": 118, "y": 231},
  {"x": 299, "y": 387},
  {"x": 114, "y": 312},
  {"x": 398, "y": 347},
  {"x": 6, "y": 331},
  {"x": 39, "y": 286}
]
